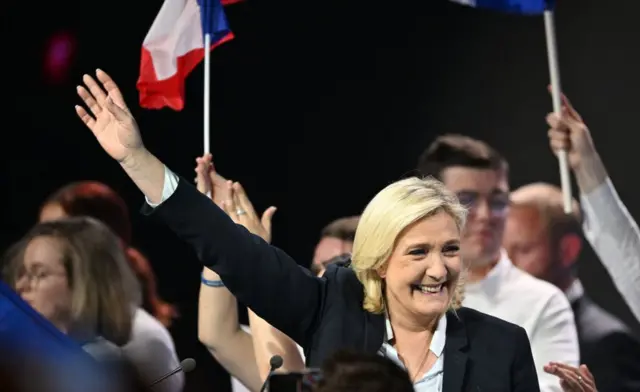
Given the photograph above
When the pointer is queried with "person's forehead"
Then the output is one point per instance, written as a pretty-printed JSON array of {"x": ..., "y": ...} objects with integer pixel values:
[
  {"x": 328, "y": 247},
  {"x": 528, "y": 218},
  {"x": 458, "y": 178},
  {"x": 329, "y": 241},
  {"x": 51, "y": 212},
  {"x": 42, "y": 251}
]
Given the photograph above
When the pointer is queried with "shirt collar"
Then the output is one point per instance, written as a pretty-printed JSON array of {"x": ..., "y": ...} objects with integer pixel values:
[
  {"x": 503, "y": 265},
  {"x": 491, "y": 282},
  {"x": 575, "y": 291},
  {"x": 437, "y": 341}
]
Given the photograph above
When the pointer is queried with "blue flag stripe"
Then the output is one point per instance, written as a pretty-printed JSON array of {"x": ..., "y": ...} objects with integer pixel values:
[
  {"x": 525, "y": 7},
  {"x": 214, "y": 21}
]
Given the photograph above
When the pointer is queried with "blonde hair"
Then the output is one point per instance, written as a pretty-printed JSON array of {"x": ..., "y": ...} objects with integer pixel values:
[{"x": 391, "y": 211}]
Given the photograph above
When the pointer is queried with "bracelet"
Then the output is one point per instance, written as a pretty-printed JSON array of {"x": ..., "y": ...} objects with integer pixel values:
[{"x": 211, "y": 283}]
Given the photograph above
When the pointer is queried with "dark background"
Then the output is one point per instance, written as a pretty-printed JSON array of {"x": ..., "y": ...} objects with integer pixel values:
[{"x": 315, "y": 107}]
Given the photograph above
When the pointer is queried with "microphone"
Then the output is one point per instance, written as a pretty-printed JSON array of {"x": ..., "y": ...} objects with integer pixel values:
[
  {"x": 187, "y": 365},
  {"x": 275, "y": 363}
]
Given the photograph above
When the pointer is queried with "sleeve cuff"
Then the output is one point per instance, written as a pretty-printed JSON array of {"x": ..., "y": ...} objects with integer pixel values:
[{"x": 170, "y": 186}]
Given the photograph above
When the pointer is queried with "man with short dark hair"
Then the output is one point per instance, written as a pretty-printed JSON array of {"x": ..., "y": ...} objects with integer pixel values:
[
  {"x": 336, "y": 239},
  {"x": 546, "y": 242},
  {"x": 478, "y": 175}
]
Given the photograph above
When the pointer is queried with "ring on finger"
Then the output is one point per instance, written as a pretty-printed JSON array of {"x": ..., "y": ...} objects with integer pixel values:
[{"x": 240, "y": 211}]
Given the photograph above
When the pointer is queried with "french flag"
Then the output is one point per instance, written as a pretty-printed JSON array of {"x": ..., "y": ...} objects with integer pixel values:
[
  {"x": 526, "y": 7},
  {"x": 175, "y": 45}
]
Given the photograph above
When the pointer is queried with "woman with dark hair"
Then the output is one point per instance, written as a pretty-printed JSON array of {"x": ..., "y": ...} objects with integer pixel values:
[{"x": 151, "y": 349}]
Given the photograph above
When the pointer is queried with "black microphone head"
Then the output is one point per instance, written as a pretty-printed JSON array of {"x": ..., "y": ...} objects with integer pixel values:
[
  {"x": 276, "y": 362},
  {"x": 188, "y": 364}
]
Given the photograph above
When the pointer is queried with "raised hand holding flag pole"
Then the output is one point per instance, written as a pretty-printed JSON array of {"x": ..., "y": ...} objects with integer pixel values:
[{"x": 537, "y": 7}]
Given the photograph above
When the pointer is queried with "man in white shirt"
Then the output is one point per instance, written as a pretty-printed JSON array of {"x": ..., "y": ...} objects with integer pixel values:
[{"x": 479, "y": 176}]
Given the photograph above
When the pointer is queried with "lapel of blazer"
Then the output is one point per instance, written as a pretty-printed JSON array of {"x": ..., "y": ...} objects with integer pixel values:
[
  {"x": 455, "y": 354},
  {"x": 374, "y": 332}
]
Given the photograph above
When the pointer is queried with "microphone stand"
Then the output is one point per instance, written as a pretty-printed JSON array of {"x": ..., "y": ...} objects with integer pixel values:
[
  {"x": 275, "y": 363},
  {"x": 187, "y": 365}
]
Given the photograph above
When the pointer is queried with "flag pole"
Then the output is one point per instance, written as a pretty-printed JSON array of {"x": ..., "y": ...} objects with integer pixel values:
[
  {"x": 207, "y": 92},
  {"x": 556, "y": 97}
]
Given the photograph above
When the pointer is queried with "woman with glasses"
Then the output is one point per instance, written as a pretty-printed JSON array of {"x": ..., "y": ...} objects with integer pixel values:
[
  {"x": 151, "y": 348},
  {"x": 74, "y": 273}
]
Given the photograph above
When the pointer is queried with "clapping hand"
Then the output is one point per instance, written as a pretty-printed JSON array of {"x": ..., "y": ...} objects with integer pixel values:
[
  {"x": 572, "y": 379},
  {"x": 239, "y": 208},
  {"x": 232, "y": 198}
]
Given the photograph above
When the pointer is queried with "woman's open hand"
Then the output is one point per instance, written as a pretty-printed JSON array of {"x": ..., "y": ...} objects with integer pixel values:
[{"x": 110, "y": 120}]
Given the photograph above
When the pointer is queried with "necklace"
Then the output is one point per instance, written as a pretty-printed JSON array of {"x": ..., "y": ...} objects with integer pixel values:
[
  {"x": 422, "y": 362},
  {"x": 417, "y": 371}
]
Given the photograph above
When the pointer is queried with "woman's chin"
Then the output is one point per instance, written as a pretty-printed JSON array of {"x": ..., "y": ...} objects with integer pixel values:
[
  {"x": 430, "y": 305},
  {"x": 431, "y": 311}
]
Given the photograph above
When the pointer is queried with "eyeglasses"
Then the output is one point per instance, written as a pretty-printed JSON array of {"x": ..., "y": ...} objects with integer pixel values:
[
  {"x": 497, "y": 202},
  {"x": 35, "y": 277}
]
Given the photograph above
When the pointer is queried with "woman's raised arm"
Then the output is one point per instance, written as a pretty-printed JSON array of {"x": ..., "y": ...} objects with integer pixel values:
[{"x": 261, "y": 276}]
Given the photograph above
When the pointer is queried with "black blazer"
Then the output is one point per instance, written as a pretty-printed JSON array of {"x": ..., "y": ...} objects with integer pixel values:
[
  {"x": 482, "y": 353},
  {"x": 607, "y": 347}
]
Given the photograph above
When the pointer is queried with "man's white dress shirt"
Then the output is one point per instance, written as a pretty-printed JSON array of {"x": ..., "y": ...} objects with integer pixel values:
[{"x": 535, "y": 305}]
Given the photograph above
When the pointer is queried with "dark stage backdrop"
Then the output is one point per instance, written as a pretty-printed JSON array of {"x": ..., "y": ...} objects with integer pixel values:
[{"x": 315, "y": 107}]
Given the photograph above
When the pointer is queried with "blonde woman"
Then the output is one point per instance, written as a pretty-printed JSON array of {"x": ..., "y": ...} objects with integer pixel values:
[{"x": 398, "y": 298}]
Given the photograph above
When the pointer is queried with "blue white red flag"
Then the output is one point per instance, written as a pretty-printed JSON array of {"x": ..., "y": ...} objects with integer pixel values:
[{"x": 175, "y": 45}]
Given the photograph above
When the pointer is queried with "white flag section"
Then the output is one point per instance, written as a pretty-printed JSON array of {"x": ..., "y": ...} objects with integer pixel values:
[
  {"x": 174, "y": 46},
  {"x": 175, "y": 32}
]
